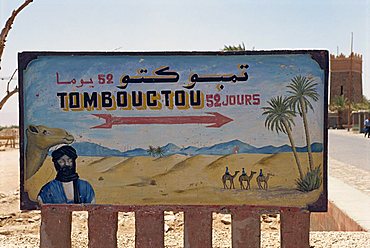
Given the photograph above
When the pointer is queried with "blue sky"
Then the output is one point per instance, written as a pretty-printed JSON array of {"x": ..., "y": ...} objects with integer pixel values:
[{"x": 164, "y": 25}]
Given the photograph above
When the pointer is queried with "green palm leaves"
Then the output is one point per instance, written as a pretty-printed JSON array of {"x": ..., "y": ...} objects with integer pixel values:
[
  {"x": 339, "y": 103},
  {"x": 312, "y": 180},
  {"x": 155, "y": 151},
  {"x": 279, "y": 117},
  {"x": 240, "y": 47},
  {"x": 302, "y": 90}
]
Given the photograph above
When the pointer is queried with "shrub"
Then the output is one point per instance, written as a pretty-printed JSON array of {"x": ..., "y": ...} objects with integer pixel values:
[{"x": 311, "y": 181}]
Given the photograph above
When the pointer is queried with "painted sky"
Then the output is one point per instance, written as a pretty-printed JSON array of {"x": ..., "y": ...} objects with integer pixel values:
[
  {"x": 268, "y": 77},
  {"x": 164, "y": 25}
]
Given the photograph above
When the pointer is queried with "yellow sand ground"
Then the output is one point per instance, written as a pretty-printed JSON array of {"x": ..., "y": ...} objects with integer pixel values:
[{"x": 184, "y": 180}]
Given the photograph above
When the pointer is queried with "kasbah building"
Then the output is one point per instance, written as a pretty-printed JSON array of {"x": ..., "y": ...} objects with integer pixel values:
[{"x": 346, "y": 81}]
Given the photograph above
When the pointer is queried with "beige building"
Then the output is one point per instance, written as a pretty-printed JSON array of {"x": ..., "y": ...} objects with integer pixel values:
[
  {"x": 346, "y": 77},
  {"x": 346, "y": 80}
]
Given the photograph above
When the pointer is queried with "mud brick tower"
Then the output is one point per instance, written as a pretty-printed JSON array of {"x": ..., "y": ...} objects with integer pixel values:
[
  {"x": 346, "y": 80},
  {"x": 346, "y": 77}
]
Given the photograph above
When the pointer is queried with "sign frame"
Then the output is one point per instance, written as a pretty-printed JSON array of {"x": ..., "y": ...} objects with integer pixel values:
[{"x": 320, "y": 56}]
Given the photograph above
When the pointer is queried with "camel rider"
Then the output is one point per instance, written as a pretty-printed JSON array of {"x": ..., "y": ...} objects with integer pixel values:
[
  {"x": 66, "y": 187},
  {"x": 261, "y": 174},
  {"x": 243, "y": 172},
  {"x": 227, "y": 171}
]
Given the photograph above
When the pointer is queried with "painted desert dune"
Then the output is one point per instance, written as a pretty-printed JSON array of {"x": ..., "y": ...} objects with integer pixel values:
[{"x": 187, "y": 180}]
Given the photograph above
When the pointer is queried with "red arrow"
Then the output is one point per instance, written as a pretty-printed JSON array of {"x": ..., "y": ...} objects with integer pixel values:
[{"x": 214, "y": 118}]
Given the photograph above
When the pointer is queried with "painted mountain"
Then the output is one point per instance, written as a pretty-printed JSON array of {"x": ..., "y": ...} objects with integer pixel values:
[
  {"x": 230, "y": 147},
  {"x": 95, "y": 150}
]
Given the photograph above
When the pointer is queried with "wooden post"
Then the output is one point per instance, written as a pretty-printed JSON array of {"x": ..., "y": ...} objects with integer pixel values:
[
  {"x": 103, "y": 225},
  {"x": 197, "y": 228},
  {"x": 246, "y": 228},
  {"x": 149, "y": 228},
  {"x": 56, "y": 227},
  {"x": 295, "y": 228}
]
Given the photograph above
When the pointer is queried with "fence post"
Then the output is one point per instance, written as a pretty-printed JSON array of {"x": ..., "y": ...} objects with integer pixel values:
[
  {"x": 295, "y": 228},
  {"x": 55, "y": 230},
  {"x": 103, "y": 225},
  {"x": 197, "y": 228},
  {"x": 246, "y": 228},
  {"x": 149, "y": 227}
]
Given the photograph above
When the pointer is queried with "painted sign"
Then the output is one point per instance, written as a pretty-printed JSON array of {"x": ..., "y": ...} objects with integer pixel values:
[{"x": 181, "y": 128}]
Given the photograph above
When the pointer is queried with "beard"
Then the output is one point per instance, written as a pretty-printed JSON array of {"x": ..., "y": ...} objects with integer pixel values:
[{"x": 67, "y": 173}]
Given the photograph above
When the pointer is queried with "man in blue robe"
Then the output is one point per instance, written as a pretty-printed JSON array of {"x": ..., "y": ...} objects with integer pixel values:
[{"x": 67, "y": 187}]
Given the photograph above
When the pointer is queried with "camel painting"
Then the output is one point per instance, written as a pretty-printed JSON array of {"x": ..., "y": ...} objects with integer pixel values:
[
  {"x": 39, "y": 140},
  {"x": 246, "y": 178},
  {"x": 262, "y": 181},
  {"x": 229, "y": 177}
]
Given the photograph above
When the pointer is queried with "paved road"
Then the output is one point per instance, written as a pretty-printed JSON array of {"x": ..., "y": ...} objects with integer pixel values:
[{"x": 350, "y": 148}]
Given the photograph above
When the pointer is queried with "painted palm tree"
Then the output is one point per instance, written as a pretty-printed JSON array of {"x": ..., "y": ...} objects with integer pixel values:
[
  {"x": 302, "y": 90},
  {"x": 151, "y": 151},
  {"x": 339, "y": 104},
  {"x": 240, "y": 47},
  {"x": 159, "y": 151},
  {"x": 279, "y": 118}
]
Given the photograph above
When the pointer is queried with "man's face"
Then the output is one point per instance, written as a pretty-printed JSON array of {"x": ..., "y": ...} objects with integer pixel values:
[{"x": 65, "y": 161}]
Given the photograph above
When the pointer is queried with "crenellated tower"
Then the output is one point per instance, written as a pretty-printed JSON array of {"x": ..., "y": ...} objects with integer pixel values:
[{"x": 346, "y": 77}]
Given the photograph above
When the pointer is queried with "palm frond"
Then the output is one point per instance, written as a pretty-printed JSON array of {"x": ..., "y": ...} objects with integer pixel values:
[
  {"x": 239, "y": 47},
  {"x": 302, "y": 89},
  {"x": 339, "y": 103},
  {"x": 276, "y": 113}
]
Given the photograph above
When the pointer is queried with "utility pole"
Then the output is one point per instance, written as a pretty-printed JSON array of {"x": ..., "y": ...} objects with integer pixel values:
[{"x": 349, "y": 122}]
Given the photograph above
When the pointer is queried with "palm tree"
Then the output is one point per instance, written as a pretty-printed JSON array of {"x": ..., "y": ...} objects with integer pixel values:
[
  {"x": 159, "y": 151},
  {"x": 363, "y": 105},
  {"x": 302, "y": 89},
  {"x": 280, "y": 118},
  {"x": 151, "y": 151},
  {"x": 338, "y": 104},
  {"x": 240, "y": 47}
]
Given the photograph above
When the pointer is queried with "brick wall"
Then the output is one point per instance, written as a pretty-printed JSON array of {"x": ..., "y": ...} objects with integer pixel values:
[{"x": 341, "y": 74}]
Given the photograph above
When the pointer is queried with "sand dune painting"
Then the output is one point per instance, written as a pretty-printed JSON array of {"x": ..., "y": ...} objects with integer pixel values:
[
  {"x": 179, "y": 128},
  {"x": 179, "y": 179}
]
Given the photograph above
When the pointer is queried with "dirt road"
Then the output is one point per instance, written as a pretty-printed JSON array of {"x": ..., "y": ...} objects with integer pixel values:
[{"x": 9, "y": 160}]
